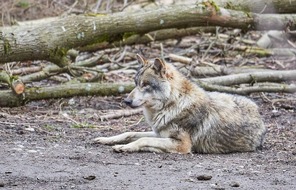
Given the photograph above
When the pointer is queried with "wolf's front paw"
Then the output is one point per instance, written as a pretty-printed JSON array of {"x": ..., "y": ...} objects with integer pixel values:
[
  {"x": 104, "y": 140},
  {"x": 123, "y": 148}
]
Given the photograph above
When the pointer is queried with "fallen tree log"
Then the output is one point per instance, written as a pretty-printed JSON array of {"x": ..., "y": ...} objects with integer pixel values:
[
  {"x": 261, "y": 52},
  {"x": 51, "y": 41},
  {"x": 268, "y": 76},
  {"x": 15, "y": 84},
  {"x": 218, "y": 70},
  {"x": 282, "y": 88},
  {"x": 10, "y": 99},
  {"x": 262, "y": 6},
  {"x": 150, "y": 37}
]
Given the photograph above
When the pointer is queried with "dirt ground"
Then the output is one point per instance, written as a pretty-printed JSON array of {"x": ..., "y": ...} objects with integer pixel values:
[
  {"x": 42, "y": 148},
  {"x": 47, "y": 144}
]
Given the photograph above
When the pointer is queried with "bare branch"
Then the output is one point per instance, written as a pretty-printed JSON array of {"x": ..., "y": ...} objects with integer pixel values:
[
  {"x": 268, "y": 76},
  {"x": 284, "y": 88}
]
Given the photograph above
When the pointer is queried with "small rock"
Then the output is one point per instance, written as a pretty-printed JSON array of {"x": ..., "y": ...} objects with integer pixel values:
[
  {"x": 17, "y": 149},
  {"x": 30, "y": 129},
  {"x": 20, "y": 132},
  {"x": 217, "y": 187},
  {"x": 189, "y": 180},
  {"x": 204, "y": 177},
  {"x": 32, "y": 151},
  {"x": 234, "y": 184},
  {"x": 71, "y": 101},
  {"x": 21, "y": 146},
  {"x": 90, "y": 177},
  {"x": 1, "y": 184}
]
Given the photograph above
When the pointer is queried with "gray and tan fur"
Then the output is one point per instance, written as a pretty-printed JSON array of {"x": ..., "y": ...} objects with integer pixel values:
[{"x": 185, "y": 118}]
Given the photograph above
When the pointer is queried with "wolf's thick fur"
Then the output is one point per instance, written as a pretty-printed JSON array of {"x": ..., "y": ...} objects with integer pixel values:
[{"x": 184, "y": 118}]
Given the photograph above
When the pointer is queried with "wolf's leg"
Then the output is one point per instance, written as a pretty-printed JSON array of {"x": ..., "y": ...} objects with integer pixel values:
[
  {"x": 152, "y": 144},
  {"x": 123, "y": 138}
]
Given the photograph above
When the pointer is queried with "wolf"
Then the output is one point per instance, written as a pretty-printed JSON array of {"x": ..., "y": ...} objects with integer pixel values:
[{"x": 185, "y": 118}]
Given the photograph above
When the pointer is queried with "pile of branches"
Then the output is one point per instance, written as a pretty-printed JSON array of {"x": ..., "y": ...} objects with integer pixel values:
[{"x": 216, "y": 58}]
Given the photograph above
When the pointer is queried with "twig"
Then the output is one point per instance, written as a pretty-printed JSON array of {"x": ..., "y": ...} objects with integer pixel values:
[
  {"x": 98, "y": 4},
  {"x": 26, "y": 70},
  {"x": 180, "y": 58},
  {"x": 72, "y": 120},
  {"x": 51, "y": 70},
  {"x": 121, "y": 113}
]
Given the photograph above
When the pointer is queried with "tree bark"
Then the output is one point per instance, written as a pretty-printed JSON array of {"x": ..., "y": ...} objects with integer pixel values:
[
  {"x": 268, "y": 76},
  {"x": 222, "y": 84},
  {"x": 10, "y": 99},
  {"x": 283, "y": 88},
  {"x": 158, "y": 35},
  {"x": 259, "y": 6},
  {"x": 51, "y": 41},
  {"x": 15, "y": 84}
]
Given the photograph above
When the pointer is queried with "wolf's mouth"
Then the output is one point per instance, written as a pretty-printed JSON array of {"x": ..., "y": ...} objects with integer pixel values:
[{"x": 133, "y": 104}]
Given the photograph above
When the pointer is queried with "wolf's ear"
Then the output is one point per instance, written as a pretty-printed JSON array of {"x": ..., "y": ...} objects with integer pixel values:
[
  {"x": 159, "y": 66},
  {"x": 141, "y": 60}
]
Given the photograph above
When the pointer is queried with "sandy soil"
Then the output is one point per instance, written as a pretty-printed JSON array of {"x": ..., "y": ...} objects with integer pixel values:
[{"x": 44, "y": 146}]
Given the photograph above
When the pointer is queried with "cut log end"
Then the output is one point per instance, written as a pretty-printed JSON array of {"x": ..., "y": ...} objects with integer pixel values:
[{"x": 18, "y": 87}]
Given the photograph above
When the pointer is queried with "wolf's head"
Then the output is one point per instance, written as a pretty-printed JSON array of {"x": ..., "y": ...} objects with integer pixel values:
[{"x": 153, "y": 86}]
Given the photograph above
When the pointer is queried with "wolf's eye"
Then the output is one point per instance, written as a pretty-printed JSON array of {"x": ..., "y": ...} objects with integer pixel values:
[{"x": 145, "y": 84}]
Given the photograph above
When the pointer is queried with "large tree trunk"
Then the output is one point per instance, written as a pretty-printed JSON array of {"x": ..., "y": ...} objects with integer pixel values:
[
  {"x": 50, "y": 41},
  {"x": 259, "y": 6}
]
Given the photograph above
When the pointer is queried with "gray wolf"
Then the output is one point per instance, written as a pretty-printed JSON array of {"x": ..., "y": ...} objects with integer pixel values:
[{"x": 186, "y": 119}]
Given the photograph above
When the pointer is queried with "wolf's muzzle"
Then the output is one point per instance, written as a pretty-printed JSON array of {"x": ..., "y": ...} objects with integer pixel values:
[{"x": 128, "y": 101}]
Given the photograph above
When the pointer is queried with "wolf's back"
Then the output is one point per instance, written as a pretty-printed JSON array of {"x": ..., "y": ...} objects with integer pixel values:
[{"x": 232, "y": 124}]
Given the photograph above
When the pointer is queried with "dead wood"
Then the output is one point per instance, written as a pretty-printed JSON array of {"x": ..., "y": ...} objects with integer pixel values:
[
  {"x": 181, "y": 59},
  {"x": 78, "y": 68},
  {"x": 121, "y": 113},
  {"x": 51, "y": 41},
  {"x": 217, "y": 70},
  {"x": 10, "y": 99},
  {"x": 204, "y": 69},
  {"x": 246, "y": 90},
  {"x": 251, "y": 78},
  {"x": 15, "y": 84},
  {"x": 52, "y": 70},
  {"x": 150, "y": 37},
  {"x": 25, "y": 70},
  {"x": 254, "y": 50},
  {"x": 262, "y": 6}
]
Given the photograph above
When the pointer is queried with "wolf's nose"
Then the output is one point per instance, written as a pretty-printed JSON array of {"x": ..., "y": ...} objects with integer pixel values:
[{"x": 128, "y": 101}]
